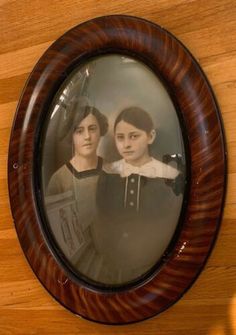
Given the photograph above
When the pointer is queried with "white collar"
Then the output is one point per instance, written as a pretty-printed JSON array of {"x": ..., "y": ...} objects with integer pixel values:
[{"x": 152, "y": 169}]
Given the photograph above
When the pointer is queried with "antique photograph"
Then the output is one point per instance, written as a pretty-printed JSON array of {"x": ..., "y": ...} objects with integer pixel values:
[{"x": 113, "y": 169}]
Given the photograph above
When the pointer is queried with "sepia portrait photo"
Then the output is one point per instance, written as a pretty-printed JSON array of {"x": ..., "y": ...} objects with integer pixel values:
[{"x": 113, "y": 169}]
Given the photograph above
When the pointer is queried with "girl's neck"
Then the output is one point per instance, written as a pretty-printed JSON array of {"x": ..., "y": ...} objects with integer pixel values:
[
  {"x": 141, "y": 161},
  {"x": 81, "y": 163}
]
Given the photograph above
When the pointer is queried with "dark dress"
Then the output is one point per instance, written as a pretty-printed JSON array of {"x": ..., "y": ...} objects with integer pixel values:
[{"x": 138, "y": 216}]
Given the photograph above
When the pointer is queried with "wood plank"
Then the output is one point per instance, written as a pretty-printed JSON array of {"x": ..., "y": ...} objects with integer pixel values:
[
  {"x": 7, "y": 112},
  {"x": 11, "y": 64},
  {"x": 52, "y": 321},
  {"x": 11, "y": 88}
]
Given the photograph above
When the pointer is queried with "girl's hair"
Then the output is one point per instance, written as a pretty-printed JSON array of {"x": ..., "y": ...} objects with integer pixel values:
[
  {"x": 137, "y": 117},
  {"x": 77, "y": 114},
  {"x": 84, "y": 112}
]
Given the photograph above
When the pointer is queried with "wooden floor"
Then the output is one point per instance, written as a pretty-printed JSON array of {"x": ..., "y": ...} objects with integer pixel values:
[{"x": 208, "y": 29}]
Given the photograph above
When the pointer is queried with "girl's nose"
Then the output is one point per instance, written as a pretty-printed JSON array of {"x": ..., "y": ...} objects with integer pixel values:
[
  {"x": 126, "y": 143},
  {"x": 86, "y": 134}
]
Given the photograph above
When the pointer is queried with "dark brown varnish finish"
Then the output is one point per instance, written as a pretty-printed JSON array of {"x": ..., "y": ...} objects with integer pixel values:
[{"x": 188, "y": 86}]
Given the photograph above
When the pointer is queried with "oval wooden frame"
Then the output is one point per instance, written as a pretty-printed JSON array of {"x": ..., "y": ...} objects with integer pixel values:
[{"x": 207, "y": 155}]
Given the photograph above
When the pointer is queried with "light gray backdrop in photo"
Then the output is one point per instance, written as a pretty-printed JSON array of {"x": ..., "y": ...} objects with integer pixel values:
[{"x": 111, "y": 83}]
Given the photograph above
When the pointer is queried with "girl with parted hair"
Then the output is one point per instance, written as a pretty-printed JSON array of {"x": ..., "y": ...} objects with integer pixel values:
[{"x": 138, "y": 210}]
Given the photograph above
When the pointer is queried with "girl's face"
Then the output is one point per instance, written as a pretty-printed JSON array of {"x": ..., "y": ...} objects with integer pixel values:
[
  {"x": 86, "y": 136},
  {"x": 132, "y": 143}
]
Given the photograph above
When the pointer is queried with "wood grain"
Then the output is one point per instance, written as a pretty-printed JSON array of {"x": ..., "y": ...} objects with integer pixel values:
[
  {"x": 208, "y": 29},
  {"x": 206, "y": 154}
]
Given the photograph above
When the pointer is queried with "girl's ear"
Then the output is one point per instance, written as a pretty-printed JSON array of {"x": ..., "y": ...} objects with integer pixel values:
[{"x": 152, "y": 136}]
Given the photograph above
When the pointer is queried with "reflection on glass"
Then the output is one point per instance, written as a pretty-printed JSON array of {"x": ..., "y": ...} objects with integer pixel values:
[{"x": 113, "y": 169}]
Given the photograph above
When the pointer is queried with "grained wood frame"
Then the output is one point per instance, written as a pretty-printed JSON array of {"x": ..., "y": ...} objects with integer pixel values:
[{"x": 207, "y": 157}]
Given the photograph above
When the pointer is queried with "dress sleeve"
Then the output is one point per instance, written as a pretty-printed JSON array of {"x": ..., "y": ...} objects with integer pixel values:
[
  {"x": 177, "y": 184},
  {"x": 53, "y": 185}
]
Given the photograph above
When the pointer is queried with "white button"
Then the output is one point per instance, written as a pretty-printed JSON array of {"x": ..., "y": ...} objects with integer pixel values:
[
  {"x": 131, "y": 191},
  {"x": 132, "y": 180},
  {"x": 131, "y": 203}
]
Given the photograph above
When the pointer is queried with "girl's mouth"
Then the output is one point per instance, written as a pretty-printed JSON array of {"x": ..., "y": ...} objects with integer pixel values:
[{"x": 128, "y": 152}]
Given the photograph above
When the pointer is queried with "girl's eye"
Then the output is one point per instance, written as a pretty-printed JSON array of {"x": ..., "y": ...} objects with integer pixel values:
[
  {"x": 79, "y": 130},
  {"x": 134, "y": 136},
  {"x": 119, "y": 137},
  {"x": 92, "y": 128}
]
